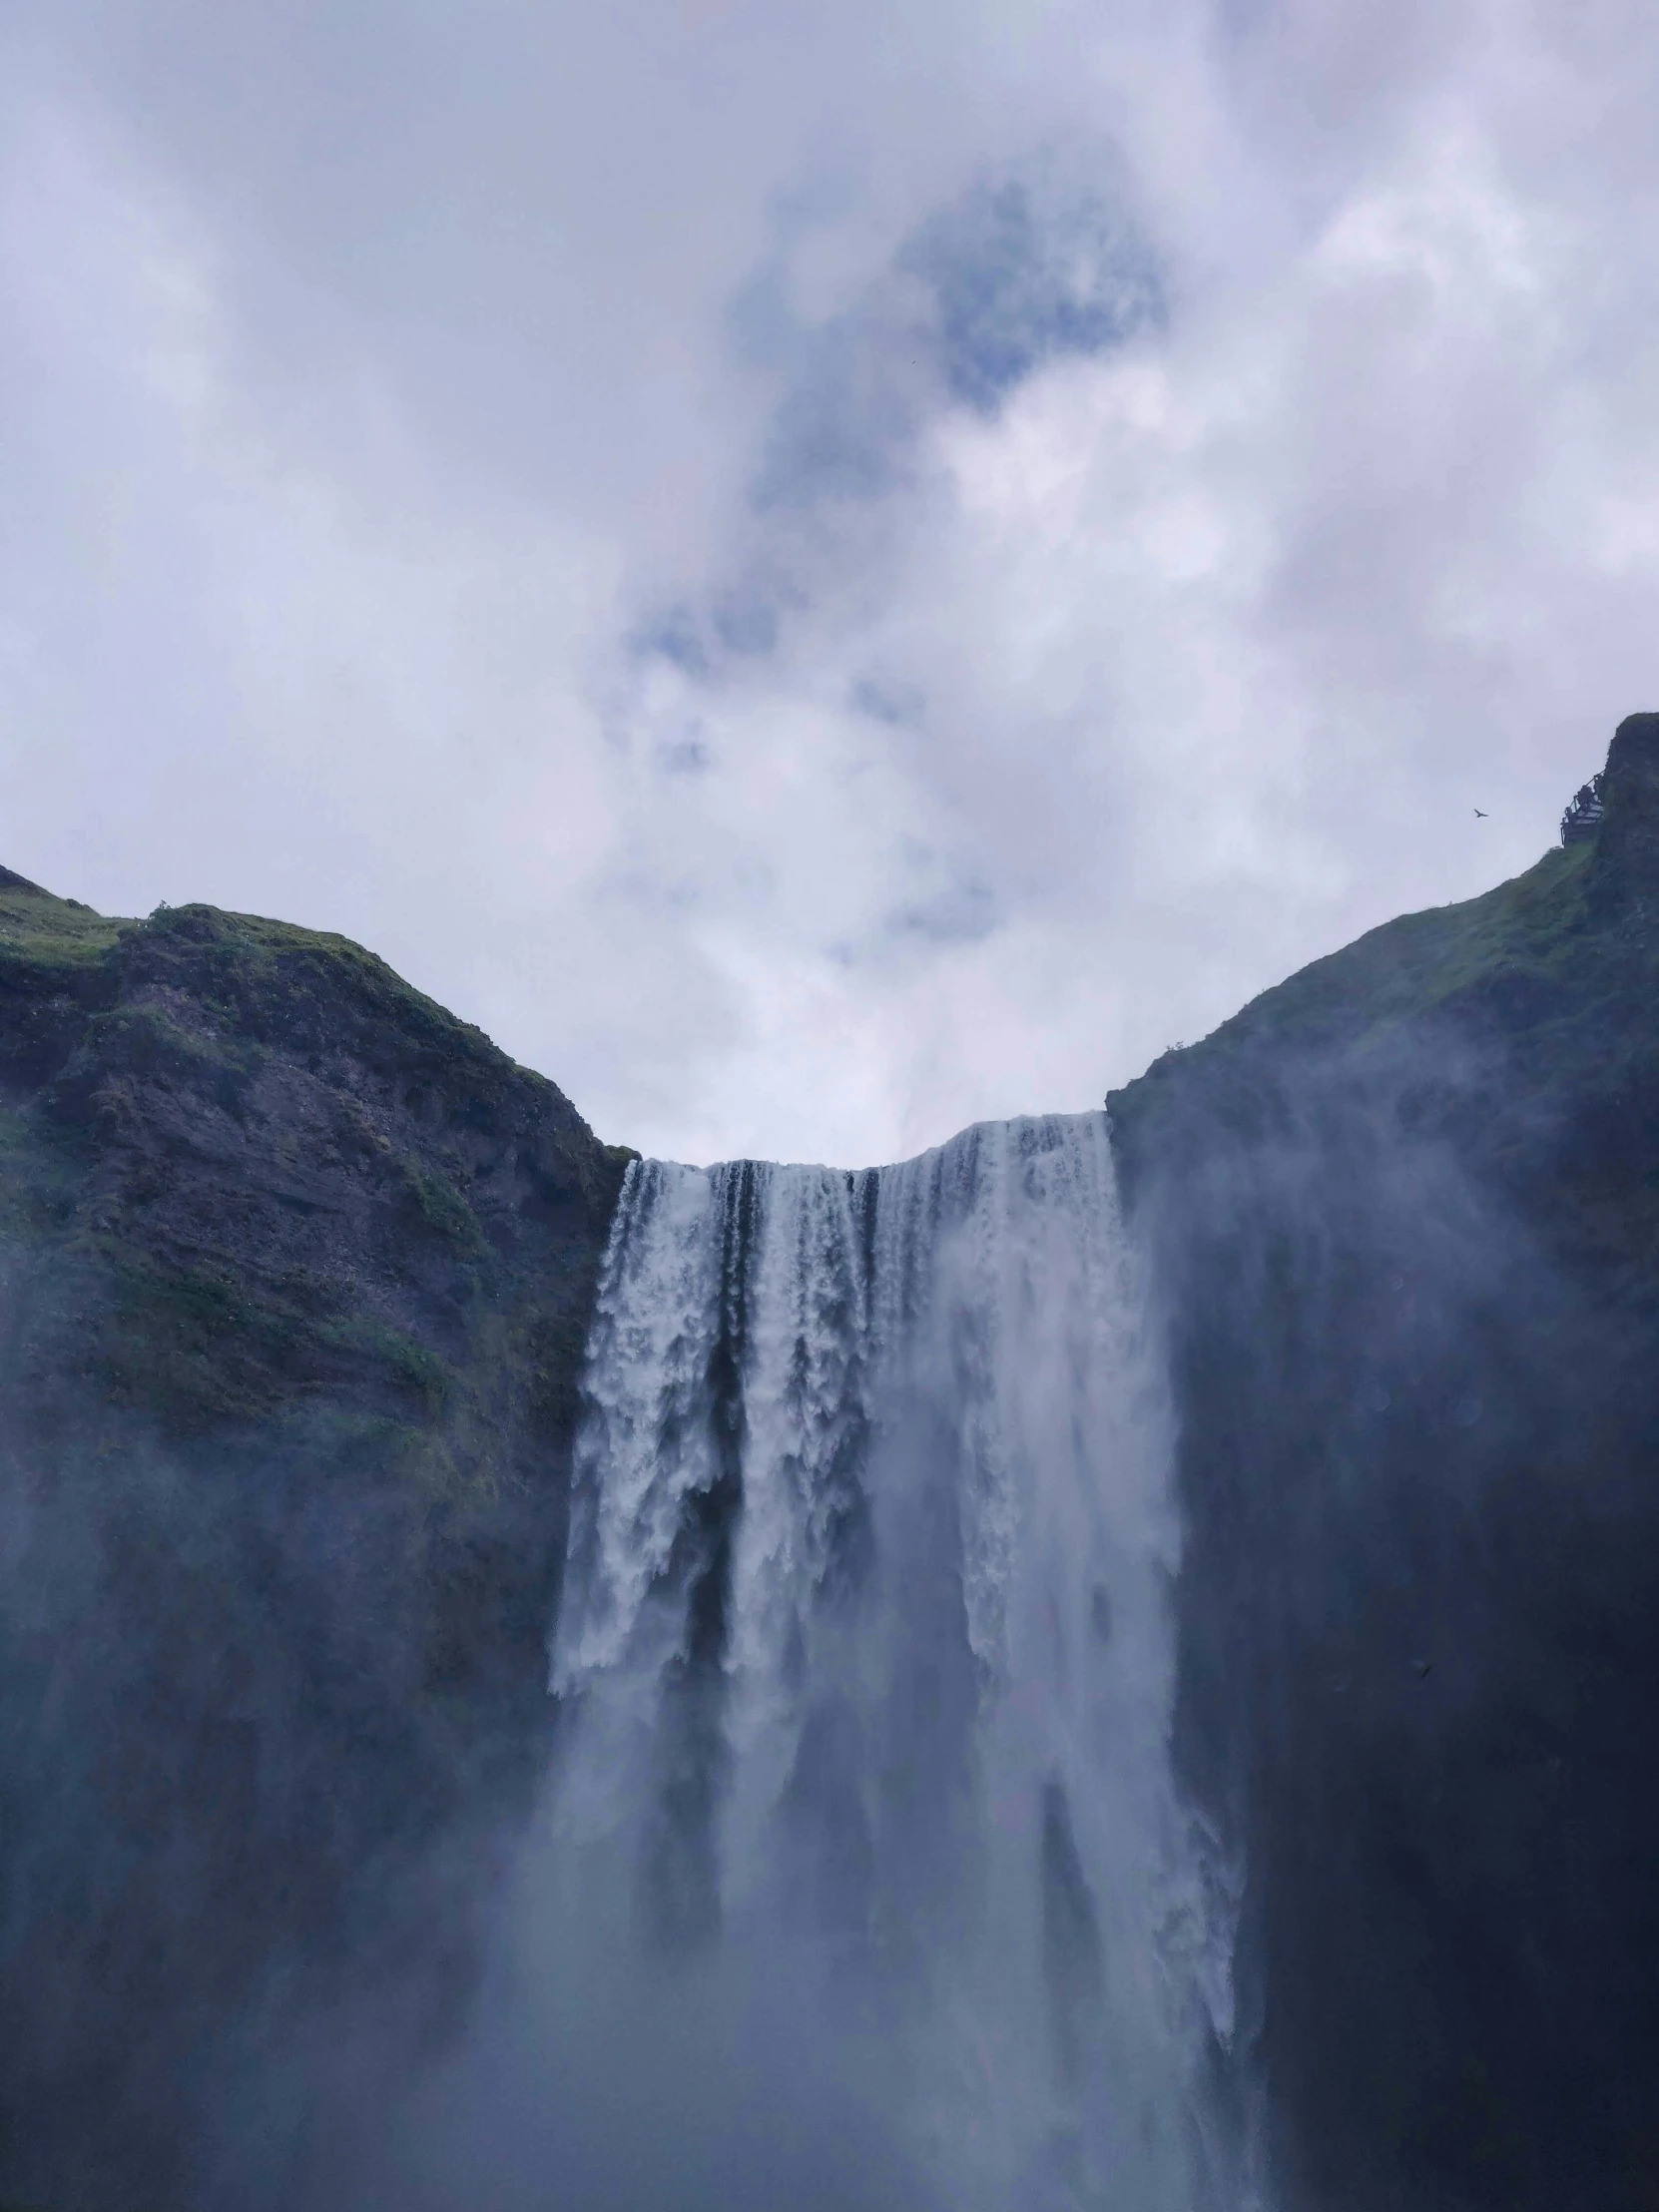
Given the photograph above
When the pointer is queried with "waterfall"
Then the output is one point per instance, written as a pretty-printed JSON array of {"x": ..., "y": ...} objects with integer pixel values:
[{"x": 864, "y": 1664}]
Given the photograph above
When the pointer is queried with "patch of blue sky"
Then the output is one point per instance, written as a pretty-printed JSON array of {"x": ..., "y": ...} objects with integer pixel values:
[
  {"x": 949, "y": 900},
  {"x": 959, "y": 912},
  {"x": 685, "y": 755},
  {"x": 1042, "y": 261},
  {"x": 1023, "y": 269},
  {"x": 899, "y": 705},
  {"x": 672, "y": 634},
  {"x": 741, "y": 620},
  {"x": 745, "y": 619},
  {"x": 850, "y": 417}
]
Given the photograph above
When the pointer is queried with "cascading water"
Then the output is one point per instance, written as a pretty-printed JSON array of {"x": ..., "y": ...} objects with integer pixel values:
[{"x": 864, "y": 1663}]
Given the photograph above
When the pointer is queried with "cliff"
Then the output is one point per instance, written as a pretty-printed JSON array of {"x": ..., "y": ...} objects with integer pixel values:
[
  {"x": 1404, "y": 1214},
  {"x": 295, "y": 1273}
]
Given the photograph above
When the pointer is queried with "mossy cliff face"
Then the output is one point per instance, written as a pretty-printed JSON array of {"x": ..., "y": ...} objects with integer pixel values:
[
  {"x": 295, "y": 1274},
  {"x": 1404, "y": 1212}
]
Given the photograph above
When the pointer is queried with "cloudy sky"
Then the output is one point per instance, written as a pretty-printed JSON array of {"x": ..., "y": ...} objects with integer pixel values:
[{"x": 823, "y": 571}]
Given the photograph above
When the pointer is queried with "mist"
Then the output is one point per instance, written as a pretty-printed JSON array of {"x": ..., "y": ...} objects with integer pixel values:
[
  {"x": 840, "y": 582},
  {"x": 857, "y": 1877}
]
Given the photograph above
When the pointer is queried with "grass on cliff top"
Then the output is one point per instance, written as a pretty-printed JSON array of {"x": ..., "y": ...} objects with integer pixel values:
[
  {"x": 42, "y": 936},
  {"x": 257, "y": 972},
  {"x": 41, "y": 927},
  {"x": 263, "y": 973},
  {"x": 1416, "y": 962},
  {"x": 278, "y": 941},
  {"x": 56, "y": 932},
  {"x": 1548, "y": 967},
  {"x": 1535, "y": 924}
]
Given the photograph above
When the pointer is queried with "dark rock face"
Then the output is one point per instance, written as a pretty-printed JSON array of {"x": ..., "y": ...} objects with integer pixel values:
[
  {"x": 1405, "y": 1211},
  {"x": 295, "y": 1275}
]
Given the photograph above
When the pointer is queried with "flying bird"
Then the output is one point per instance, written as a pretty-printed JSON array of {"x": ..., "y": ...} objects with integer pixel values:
[{"x": 1480, "y": 814}]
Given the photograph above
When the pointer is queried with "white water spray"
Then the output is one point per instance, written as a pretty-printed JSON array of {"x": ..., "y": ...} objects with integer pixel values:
[{"x": 865, "y": 1656}]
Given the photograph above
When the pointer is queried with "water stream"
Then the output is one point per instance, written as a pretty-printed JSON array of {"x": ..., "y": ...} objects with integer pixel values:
[{"x": 865, "y": 1666}]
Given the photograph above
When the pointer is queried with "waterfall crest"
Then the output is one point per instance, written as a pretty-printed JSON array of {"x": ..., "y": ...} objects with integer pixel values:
[{"x": 864, "y": 1658}]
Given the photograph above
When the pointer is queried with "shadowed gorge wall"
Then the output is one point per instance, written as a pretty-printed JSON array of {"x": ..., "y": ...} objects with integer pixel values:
[
  {"x": 296, "y": 1277},
  {"x": 1405, "y": 1216},
  {"x": 295, "y": 1274}
]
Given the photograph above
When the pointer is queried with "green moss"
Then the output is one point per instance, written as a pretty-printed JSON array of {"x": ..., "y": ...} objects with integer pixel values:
[
  {"x": 341, "y": 1298},
  {"x": 444, "y": 1210},
  {"x": 54, "y": 969},
  {"x": 409, "y": 1365},
  {"x": 275, "y": 979},
  {"x": 309, "y": 1374},
  {"x": 146, "y": 1039},
  {"x": 41, "y": 931},
  {"x": 199, "y": 1352},
  {"x": 39, "y": 1179},
  {"x": 1419, "y": 963},
  {"x": 1533, "y": 961},
  {"x": 194, "y": 1305},
  {"x": 1517, "y": 1026},
  {"x": 188, "y": 1347}
]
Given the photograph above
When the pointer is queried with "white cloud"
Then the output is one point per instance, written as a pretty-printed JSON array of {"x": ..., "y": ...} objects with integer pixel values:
[{"x": 377, "y": 391}]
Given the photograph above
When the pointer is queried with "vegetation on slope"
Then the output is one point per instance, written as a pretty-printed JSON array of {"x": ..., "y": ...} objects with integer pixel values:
[
  {"x": 1403, "y": 1212},
  {"x": 1519, "y": 1025},
  {"x": 294, "y": 1276}
]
